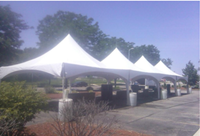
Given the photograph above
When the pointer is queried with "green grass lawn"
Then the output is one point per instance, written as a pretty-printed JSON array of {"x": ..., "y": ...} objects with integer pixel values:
[{"x": 57, "y": 82}]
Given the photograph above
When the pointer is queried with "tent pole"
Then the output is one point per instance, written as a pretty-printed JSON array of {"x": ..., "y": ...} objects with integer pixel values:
[
  {"x": 115, "y": 82},
  {"x": 32, "y": 80},
  {"x": 69, "y": 82},
  {"x": 175, "y": 86},
  {"x": 127, "y": 88},
  {"x": 159, "y": 91},
  {"x": 63, "y": 87},
  {"x": 108, "y": 81},
  {"x": 63, "y": 83},
  {"x": 187, "y": 84},
  {"x": 127, "y": 93}
]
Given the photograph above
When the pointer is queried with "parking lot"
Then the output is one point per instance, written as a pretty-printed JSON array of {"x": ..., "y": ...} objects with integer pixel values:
[{"x": 175, "y": 116}]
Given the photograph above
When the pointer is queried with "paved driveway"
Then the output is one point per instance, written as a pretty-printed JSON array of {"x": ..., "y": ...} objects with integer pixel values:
[{"x": 176, "y": 116}]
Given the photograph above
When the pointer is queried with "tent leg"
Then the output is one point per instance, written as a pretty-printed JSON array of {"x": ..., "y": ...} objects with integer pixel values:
[
  {"x": 63, "y": 88},
  {"x": 115, "y": 82},
  {"x": 69, "y": 82},
  {"x": 175, "y": 87},
  {"x": 188, "y": 88},
  {"x": 108, "y": 81},
  {"x": 127, "y": 93},
  {"x": 32, "y": 80},
  {"x": 159, "y": 91}
]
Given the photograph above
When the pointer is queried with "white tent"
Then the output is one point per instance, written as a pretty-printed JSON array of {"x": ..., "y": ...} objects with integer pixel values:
[
  {"x": 122, "y": 66},
  {"x": 67, "y": 60},
  {"x": 67, "y": 54},
  {"x": 174, "y": 76},
  {"x": 153, "y": 73},
  {"x": 162, "y": 67}
]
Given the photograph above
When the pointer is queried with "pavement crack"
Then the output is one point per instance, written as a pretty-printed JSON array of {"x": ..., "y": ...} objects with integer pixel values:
[{"x": 180, "y": 104}]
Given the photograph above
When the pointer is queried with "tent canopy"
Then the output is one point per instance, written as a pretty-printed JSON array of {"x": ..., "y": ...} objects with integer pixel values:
[
  {"x": 70, "y": 58},
  {"x": 121, "y": 65},
  {"x": 66, "y": 54},
  {"x": 162, "y": 67}
]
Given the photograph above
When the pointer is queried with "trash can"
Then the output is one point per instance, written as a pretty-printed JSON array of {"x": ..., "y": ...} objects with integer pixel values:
[
  {"x": 164, "y": 94},
  {"x": 67, "y": 103},
  {"x": 133, "y": 98},
  {"x": 135, "y": 88},
  {"x": 106, "y": 92},
  {"x": 168, "y": 89},
  {"x": 178, "y": 92},
  {"x": 189, "y": 90}
]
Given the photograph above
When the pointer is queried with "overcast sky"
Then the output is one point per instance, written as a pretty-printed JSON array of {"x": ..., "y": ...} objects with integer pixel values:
[{"x": 173, "y": 27}]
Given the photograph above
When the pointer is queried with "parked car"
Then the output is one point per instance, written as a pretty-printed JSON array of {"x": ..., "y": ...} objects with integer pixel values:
[{"x": 79, "y": 84}]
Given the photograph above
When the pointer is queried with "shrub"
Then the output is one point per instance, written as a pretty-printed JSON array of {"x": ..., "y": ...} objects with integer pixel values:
[
  {"x": 89, "y": 88},
  {"x": 91, "y": 91},
  {"x": 84, "y": 118},
  {"x": 49, "y": 89},
  {"x": 116, "y": 88},
  {"x": 73, "y": 91},
  {"x": 18, "y": 105}
]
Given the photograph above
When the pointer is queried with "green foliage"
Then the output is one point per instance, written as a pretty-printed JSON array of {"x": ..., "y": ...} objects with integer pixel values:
[
  {"x": 53, "y": 28},
  {"x": 49, "y": 89},
  {"x": 19, "y": 102},
  {"x": 167, "y": 62},
  {"x": 165, "y": 86},
  {"x": 179, "y": 86},
  {"x": 89, "y": 88},
  {"x": 11, "y": 25},
  {"x": 191, "y": 72},
  {"x": 90, "y": 91},
  {"x": 74, "y": 91},
  {"x": 116, "y": 88},
  {"x": 29, "y": 53},
  {"x": 107, "y": 44},
  {"x": 150, "y": 52}
]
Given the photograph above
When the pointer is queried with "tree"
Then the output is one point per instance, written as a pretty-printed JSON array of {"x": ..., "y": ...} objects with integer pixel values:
[
  {"x": 19, "y": 104},
  {"x": 106, "y": 45},
  {"x": 191, "y": 72},
  {"x": 28, "y": 54},
  {"x": 11, "y": 25},
  {"x": 52, "y": 29},
  {"x": 167, "y": 62},
  {"x": 150, "y": 52}
]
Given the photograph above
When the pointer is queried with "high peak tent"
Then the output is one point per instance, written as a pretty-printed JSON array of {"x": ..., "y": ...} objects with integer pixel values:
[
  {"x": 120, "y": 64},
  {"x": 162, "y": 67},
  {"x": 69, "y": 60},
  {"x": 149, "y": 68},
  {"x": 153, "y": 73},
  {"x": 67, "y": 56}
]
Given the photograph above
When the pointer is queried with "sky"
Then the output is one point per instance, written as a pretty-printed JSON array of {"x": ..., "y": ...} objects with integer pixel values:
[{"x": 171, "y": 26}]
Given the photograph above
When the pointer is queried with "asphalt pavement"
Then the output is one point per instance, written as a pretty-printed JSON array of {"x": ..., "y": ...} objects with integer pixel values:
[{"x": 175, "y": 116}]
